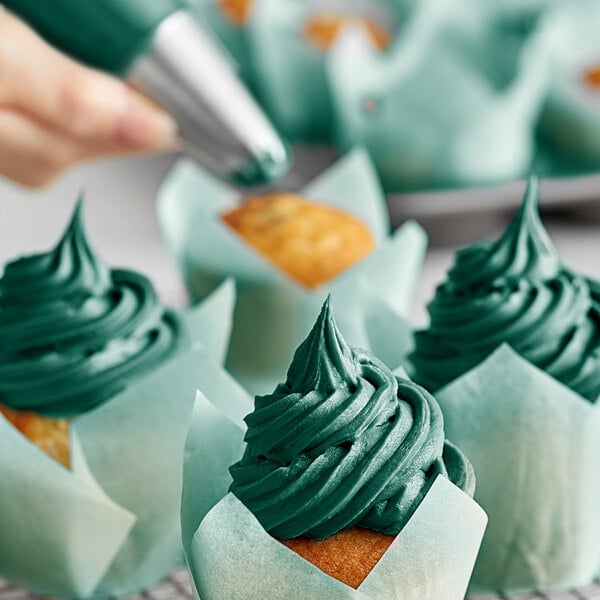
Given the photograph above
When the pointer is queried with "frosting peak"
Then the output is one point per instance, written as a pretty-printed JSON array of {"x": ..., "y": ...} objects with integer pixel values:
[
  {"x": 524, "y": 250},
  {"x": 73, "y": 332},
  {"x": 70, "y": 268},
  {"x": 351, "y": 445},
  {"x": 514, "y": 291},
  {"x": 324, "y": 361}
]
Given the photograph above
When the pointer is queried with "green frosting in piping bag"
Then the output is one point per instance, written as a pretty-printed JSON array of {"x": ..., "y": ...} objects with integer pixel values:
[
  {"x": 343, "y": 442},
  {"x": 73, "y": 333},
  {"x": 514, "y": 291}
]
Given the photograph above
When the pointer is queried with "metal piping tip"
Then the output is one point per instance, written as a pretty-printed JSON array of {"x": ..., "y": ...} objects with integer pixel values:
[
  {"x": 220, "y": 122},
  {"x": 266, "y": 168}
]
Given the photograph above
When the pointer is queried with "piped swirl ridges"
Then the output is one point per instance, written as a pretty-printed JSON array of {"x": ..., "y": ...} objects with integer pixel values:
[
  {"x": 342, "y": 443},
  {"x": 73, "y": 332},
  {"x": 514, "y": 291}
]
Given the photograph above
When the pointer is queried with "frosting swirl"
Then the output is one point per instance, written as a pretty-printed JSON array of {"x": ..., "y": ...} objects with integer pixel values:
[
  {"x": 73, "y": 332},
  {"x": 342, "y": 443},
  {"x": 514, "y": 291}
]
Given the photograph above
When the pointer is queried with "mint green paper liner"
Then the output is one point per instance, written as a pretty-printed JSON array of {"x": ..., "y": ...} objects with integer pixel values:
[
  {"x": 535, "y": 446},
  {"x": 231, "y": 557},
  {"x": 40, "y": 503},
  {"x": 110, "y": 525},
  {"x": 571, "y": 118},
  {"x": 273, "y": 313},
  {"x": 290, "y": 72},
  {"x": 453, "y": 103}
]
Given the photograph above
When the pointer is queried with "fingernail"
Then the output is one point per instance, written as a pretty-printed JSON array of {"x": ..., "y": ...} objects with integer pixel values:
[{"x": 142, "y": 128}]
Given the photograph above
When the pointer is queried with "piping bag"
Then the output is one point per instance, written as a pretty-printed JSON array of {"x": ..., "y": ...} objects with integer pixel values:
[{"x": 160, "y": 47}]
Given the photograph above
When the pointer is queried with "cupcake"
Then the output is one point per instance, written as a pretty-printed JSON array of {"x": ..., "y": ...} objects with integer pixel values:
[
  {"x": 338, "y": 463},
  {"x": 290, "y": 44},
  {"x": 514, "y": 345},
  {"x": 74, "y": 333},
  {"x": 483, "y": 61},
  {"x": 281, "y": 246},
  {"x": 309, "y": 241},
  {"x": 95, "y": 380},
  {"x": 515, "y": 291}
]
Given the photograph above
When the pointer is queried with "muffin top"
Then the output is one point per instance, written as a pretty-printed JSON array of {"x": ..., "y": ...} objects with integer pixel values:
[
  {"x": 309, "y": 241},
  {"x": 73, "y": 332},
  {"x": 516, "y": 291},
  {"x": 343, "y": 442}
]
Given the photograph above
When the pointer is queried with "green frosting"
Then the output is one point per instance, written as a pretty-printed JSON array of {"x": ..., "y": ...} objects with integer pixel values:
[
  {"x": 73, "y": 333},
  {"x": 342, "y": 443},
  {"x": 514, "y": 291}
]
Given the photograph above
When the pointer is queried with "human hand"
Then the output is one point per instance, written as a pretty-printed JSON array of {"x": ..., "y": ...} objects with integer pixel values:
[{"x": 55, "y": 112}]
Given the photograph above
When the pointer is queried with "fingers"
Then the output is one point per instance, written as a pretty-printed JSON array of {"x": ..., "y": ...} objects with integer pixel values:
[
  {"x": 33, "y": 155},
  {"x": 75, "y": 101}
]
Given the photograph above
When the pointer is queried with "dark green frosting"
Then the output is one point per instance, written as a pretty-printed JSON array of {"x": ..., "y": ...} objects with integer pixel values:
[
  {"x": 73, "y": 333},
  {"x": 343, "y": 442},
  {"x": 514, "y": 291}
]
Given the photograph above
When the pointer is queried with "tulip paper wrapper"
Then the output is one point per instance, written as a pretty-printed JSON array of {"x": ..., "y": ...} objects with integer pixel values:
[
  {"x": 492, "y": 81},
  {"x": 109, "y": 525},
  {"x": 571, "y": 120},
  {"x": 292, "y": 81},
  {"x": 232, "y": 557},
  {"x": 273, "y": 313},
  {"x": 535, "y": 446}
]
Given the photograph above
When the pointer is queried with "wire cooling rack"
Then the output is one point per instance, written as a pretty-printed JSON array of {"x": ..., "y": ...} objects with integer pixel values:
[{"x": 177, "y": 587}]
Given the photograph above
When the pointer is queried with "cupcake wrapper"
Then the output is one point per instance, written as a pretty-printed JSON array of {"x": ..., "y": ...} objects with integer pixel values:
[
  {"x": 571, "y": 119},
  {"x": 481, "y": 132},
  {"x": 210, "y": 322},
  {"x": 292, "y": 81},
  {"x": 535, "y": 446},
  {"x": 231, "y": 556},
  {"x": 110, "y": 525},
  {"x": 67, "y": 550},
  {"x": 214, "y": 442},
  {"x": 273, "y": 313}
]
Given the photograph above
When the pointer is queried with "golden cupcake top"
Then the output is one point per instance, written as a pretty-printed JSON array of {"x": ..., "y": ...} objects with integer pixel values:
[
  {"x": 591, "y": 78},
  {"x": 323, "y": 30},
  {"x": 309, "y": 241},
  {"x": 49, "y": 435},
  {"x": 236, "y": 12}
]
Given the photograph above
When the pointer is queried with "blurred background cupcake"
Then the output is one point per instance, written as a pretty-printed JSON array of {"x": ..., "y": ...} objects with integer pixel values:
[{"x": 372, "y": 73}]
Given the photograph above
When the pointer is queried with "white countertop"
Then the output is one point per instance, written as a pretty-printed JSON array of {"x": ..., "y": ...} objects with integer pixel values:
[{"x": 121, "y": 224}]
